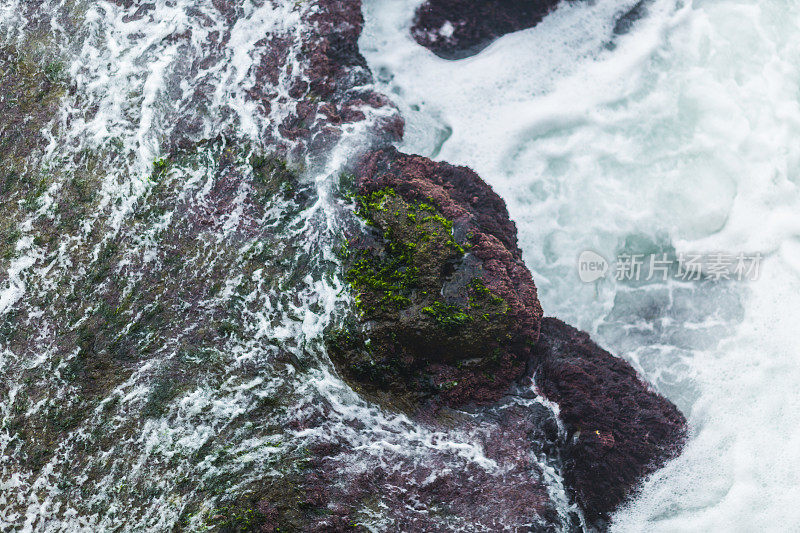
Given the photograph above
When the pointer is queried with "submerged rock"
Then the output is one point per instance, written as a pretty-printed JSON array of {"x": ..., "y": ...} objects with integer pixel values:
[
  {"x": 626, "y": 22},
  {"x": 440, "y": 492},
  {"x": 455, "y": 29}
]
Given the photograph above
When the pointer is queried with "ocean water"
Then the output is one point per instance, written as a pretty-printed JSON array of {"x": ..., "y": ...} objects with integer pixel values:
[{"x": 676, "y": 137}]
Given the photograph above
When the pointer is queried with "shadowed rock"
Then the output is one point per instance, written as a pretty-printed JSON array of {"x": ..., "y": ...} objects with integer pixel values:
[
  {"x": 455, "y": 29},
  {"x": 618, "y": 429}
]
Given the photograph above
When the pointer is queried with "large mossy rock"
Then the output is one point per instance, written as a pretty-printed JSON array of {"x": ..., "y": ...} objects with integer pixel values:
[
  {"x": 451, "y": 311},
  {"x": 448, "y": 316}
]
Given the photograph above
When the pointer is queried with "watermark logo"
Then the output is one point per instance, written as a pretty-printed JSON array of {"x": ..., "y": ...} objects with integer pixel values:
[
  {"x": 591, "y": 266},
  {"x": 715, "y": 266}
]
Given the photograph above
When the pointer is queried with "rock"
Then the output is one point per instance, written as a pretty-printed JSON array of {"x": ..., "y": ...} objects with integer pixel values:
[
  {"x": 451, "y": 318},
  {"x": 29, "y": 98},
  {"x": 455, "y": 29},
  {"x": 512, "y": 497},
  {"x": 626, "y": 22},
  {"x": 183, "y": 292},
  {"x": 618, "y": 430},
  {"x": 334, "y": 88},
  {"x": 451, "y": 309}
]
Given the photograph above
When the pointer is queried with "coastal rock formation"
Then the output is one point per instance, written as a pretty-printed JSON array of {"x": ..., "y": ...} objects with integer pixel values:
[
  {"x": 153, "y": 222},
  {"x": 455, "y": 29},
  {"x": 451, "y": 318},
  {"x": 439, "y": 278},
  {"x": 618, "y": 429},
  {"x": 335, "y": 88},
  {"x": 166, "y": 283}
]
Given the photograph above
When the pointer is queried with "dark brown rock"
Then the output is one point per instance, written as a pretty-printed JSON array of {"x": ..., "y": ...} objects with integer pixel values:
[
  {"x": 479, "y": 217},
  {"x": 618, "y": 430},
  {"x": 455, "y": 29},
  {"x": 452, "y": 310}
]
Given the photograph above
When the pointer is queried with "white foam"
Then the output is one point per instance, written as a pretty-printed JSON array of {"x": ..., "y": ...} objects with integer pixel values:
[{"x": 739, "y": 471}]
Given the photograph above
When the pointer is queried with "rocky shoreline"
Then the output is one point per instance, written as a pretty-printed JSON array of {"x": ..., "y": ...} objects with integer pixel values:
[
  {"x": 449, "y": 314},
  {"x": 176, "y": 302}
]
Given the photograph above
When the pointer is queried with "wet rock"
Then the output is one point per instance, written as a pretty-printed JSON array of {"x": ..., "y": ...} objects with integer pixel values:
[
  {"x": 451, "y": 310},
  {"x": 428, "y": 488},
  {"x": 192, "y": 300},
  {"x": 30, "y": 92},
  {"x": 626, "y": 22},
  {"x": 618, "y": 430},
  {"x": 334, "y": 87},
  {"x": 309, "y": 80},
  {"x": 455, "y": 29}
]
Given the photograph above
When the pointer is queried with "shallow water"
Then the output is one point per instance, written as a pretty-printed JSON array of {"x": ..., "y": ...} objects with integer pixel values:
[
  {"x": 677, "y": 137},
  {"x": 219, "y": 293}
]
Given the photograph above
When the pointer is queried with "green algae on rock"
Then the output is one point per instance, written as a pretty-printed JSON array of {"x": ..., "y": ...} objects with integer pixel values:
[
  {"x": 433, "y": 326},
  {"x": 29, "y": 98},
  {"x": 418, "y": 242}
]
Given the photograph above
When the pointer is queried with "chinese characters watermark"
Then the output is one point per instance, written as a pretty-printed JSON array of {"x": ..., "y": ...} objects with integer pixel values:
[{"x": 715, "y": 266}]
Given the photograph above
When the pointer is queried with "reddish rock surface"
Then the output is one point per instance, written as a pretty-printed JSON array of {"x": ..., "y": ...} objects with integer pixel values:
[
  {"x": 618, "y": 430},
  {"x": 479, "y": 362},
  {"x": 479, "y": 215},
  {"x": 335, "y": 86},
  {"x": 455, "y": 29},
  {"x": 513, "y": 499}
]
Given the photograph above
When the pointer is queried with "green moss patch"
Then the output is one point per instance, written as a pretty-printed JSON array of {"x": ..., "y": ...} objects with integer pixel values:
[
  {"x": 417, "y": 243},
  {"x": 416, "y": 302},
  {"x": 448, "y": 317}
]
